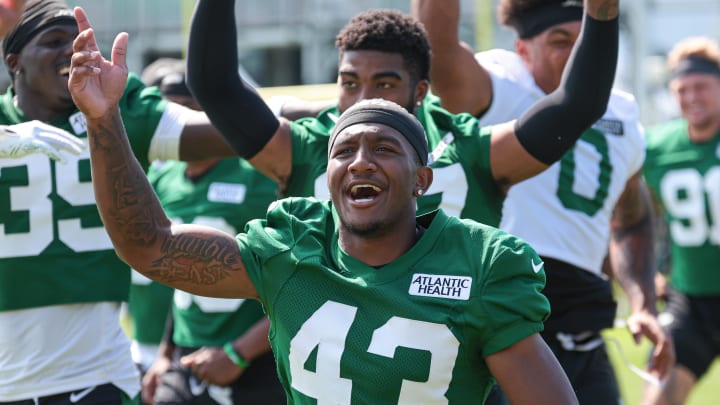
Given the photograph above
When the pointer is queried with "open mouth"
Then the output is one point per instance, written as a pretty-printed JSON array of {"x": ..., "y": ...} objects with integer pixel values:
[
  {"x": 64, "y": 71},
  {"x": 364, "y": 192}
]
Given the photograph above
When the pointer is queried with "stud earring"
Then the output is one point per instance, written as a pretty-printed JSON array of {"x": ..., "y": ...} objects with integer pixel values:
[{"x": 419, "y": 192}]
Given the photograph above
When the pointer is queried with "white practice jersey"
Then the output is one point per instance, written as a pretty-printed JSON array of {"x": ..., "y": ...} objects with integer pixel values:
[{"x": 565, "y": 211}]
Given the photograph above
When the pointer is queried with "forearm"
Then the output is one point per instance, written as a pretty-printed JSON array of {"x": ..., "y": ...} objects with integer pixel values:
[
  {"x": 126, "y": 201},
  {"x": 254, "y": 342},
  {"x": 581, "y": 99},
  {"x": 632, "y": 263},
  {"x": 232, "y": 105},
  {"x": 440, "y": 19},
  {"x": 631, "y": 248},
  {"x": 462, "y": 84}
]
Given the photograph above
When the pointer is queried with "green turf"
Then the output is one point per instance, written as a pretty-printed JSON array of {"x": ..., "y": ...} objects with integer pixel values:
[{"x": 707, "y": 392}]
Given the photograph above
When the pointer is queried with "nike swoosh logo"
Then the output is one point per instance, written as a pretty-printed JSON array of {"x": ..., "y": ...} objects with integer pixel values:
[
  {"x": 536, "y": 267},
  {"x": 77, "y": 396}
]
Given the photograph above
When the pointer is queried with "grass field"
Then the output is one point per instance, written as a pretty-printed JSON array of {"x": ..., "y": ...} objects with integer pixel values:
[{"x": 707, "y": 391}]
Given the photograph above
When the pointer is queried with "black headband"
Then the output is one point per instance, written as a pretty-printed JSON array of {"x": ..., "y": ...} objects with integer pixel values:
[
  {"x": 379, "y": 111},
  {"x": 537, "y": 19},
  {"x": 37, "y": 16},
  {"x": 694, "y": 64}
]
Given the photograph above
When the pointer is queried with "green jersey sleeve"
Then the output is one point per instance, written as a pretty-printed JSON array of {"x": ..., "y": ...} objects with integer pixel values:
[
  {"x": 264, "y": 240},
  {"x": 309, "y": 158},
  {"x": 513, "y": 306}
]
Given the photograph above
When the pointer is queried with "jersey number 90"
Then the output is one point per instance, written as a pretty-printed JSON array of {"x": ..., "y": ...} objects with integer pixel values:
[{"x": 693, "y": 200}]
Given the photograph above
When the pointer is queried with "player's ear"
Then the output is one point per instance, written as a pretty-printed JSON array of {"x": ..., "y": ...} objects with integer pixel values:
[
  {"x": 423, "y": 180},
  {"x": 421, "y": 90},
  {"x": 11, "y": 61}
]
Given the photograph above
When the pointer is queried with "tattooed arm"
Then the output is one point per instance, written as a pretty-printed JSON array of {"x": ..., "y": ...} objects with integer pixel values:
[
  {"x": 196, "y": 259},
  {"x": 632, "y": 262}
]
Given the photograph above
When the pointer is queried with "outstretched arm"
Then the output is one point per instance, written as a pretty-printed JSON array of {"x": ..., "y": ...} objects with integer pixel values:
[
  {"x": 232, "y": 105},
  {"x": 196, "y": 259},
  {"x": 550, "y": 127},
  {"x": 462, "y": 84},
  {"x": 632, "y": 261}
]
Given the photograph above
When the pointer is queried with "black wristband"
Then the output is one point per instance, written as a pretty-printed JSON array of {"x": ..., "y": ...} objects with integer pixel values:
[{"x": 552, "y": 125}]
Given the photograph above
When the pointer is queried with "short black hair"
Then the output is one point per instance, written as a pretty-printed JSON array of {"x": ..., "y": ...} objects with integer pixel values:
[
  {"x": 508, "y": 11},
  {"x": 388, "y": 30}
]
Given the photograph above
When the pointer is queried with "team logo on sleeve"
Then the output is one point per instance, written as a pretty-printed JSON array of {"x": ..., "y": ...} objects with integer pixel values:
[{"x": 433, "y": 285}]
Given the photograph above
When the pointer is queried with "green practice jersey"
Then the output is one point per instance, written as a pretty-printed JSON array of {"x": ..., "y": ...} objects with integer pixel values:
[
  {"x": 53, "y": 247},
  {"x": 414, "y": 331},
  {"x": 463, "y": 185},
  {"x": 685, "y": 178},
  {"x": 226, "y": 197},
  {"x": 149, "y": 304}
]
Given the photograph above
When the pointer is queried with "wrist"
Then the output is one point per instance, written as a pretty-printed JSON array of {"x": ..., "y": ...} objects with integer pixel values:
[{"x": 235, "y": 356}]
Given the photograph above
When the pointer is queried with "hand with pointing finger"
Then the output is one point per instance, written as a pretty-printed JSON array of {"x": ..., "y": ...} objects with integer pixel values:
[{"x": 96, "y": 84}]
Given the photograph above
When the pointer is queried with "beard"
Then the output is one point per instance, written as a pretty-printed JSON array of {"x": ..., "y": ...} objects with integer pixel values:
[{"x": 367, "y": 230}]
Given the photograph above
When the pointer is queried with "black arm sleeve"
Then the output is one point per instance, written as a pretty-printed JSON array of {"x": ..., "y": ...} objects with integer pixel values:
[
  {"x": 232, "y": 105},
  {"x": 551, "y": 126}
]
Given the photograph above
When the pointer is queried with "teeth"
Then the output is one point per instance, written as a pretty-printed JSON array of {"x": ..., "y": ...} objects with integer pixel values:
[
  {"x": 65, "y": 70},
  {"x": 355, "y": 188}
]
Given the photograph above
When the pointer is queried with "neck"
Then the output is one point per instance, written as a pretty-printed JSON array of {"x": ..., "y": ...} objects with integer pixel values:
[
  {"x": 39, "y": 110},
  {"x": 704, "y": 133},
  {"x": 381, "y": 249}
]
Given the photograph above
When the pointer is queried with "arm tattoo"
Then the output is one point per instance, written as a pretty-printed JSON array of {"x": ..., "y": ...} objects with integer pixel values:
[
  {"x": 195, "y": 259},
  {"x": 632, "y": 234},
  {"x": 133, "y": 208}
]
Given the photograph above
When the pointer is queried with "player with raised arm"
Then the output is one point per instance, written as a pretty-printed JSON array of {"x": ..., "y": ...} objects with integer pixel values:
[
  {"x": 385, "y": 54},
  {"x": 61, "y": 283},
  {"x": 406, "y": 327},
  {"x": 591, "y": 201}
]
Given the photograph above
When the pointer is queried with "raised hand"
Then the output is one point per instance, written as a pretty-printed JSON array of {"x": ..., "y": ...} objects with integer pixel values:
[
  {"x": 96, "y": 84},
  {"x": 37, "y": 137}
]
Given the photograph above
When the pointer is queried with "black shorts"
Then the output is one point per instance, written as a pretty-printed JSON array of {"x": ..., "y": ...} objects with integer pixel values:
[
  {"x": 694, "y": 323},
  {"x": 106, "y": 394},
  {"x": 259, "y": 384},
  {"x": 590, "y": 373}
]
